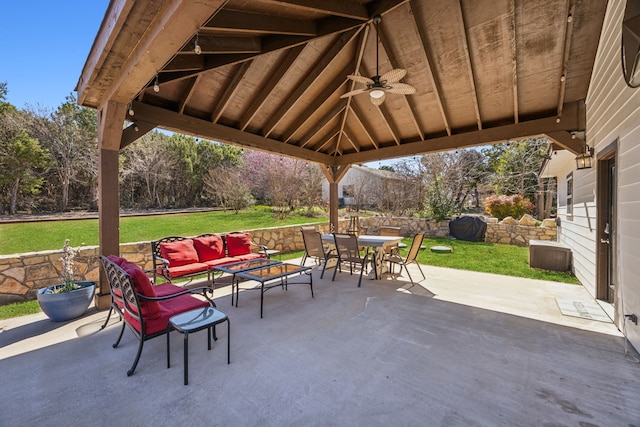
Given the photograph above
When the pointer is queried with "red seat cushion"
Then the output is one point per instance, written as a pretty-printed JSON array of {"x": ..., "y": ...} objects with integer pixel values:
[
  {"x": 167, "y": 289},
  {"x": 221, "y": 261},
  {"x": 168, "y": 308},
  {"x": 209, "y": 247},
  {"x": 180, "y": 252},
  {"x": 183, "y": 270},
  {"x": 143, "y": 286},
  {"x": 238, "y": 244},
  {"x": 247, "y": 257}
]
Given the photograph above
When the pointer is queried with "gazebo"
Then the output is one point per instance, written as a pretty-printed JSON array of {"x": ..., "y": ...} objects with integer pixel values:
[{"x": 272, "y": 74}]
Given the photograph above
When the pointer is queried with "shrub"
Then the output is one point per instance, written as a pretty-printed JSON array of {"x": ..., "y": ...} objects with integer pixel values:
[{"x": 504, "y": 206}]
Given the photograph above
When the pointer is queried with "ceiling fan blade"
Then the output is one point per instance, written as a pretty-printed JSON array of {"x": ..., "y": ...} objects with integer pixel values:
[
  {"x": 401, "y": 88},
  {"x": 377, "y": 101},
  {"x": 353, "y": 92},
  {"x": 393, "y": 76},
  {"x": 360, "y": 79}
]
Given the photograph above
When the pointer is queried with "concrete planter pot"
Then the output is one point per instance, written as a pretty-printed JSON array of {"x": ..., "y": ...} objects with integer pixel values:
[{"x": 66, "y": 305}]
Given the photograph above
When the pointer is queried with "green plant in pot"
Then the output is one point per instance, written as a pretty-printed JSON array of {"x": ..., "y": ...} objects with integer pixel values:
[{"x": 71, "y": 298}]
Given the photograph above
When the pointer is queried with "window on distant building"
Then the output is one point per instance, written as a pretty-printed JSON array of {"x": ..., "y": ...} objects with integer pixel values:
[
  {"x": 570, "y": 196},
  {"x": 347, "y": 191}
]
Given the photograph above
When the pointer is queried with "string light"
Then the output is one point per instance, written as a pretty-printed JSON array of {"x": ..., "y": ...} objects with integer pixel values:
[
  {"x": 156, "y": 85},
  {"x": 196, "y": 48}
]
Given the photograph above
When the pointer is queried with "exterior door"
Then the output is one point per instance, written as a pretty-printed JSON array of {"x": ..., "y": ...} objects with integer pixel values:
[{"x": 606, "y": 239}]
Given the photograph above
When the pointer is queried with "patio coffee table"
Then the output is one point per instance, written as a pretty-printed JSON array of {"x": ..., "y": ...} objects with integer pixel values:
[
  {"x": 234, "y": 268},
  {"x": 271, "y": 273}
]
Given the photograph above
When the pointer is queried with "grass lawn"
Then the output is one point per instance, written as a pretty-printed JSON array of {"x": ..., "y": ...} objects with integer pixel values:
[{"x": 50, "y": 235}]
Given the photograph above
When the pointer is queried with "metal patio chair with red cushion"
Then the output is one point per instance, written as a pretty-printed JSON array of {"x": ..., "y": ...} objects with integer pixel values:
[{"x": 145, "y": 312}]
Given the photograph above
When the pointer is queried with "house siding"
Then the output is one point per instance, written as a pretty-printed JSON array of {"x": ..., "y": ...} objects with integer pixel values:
[{"x": 613, "y": 111}]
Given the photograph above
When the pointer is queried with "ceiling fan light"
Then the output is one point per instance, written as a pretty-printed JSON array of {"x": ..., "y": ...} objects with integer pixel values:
[{"x": 376, "y": 93}]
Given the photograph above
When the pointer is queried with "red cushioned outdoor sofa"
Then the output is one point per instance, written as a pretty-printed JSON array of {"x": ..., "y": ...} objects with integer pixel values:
[{"x": 178, "y": 257}]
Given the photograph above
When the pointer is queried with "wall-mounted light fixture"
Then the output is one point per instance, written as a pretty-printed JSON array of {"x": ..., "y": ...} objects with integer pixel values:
[{"x": 584, "y": 159}]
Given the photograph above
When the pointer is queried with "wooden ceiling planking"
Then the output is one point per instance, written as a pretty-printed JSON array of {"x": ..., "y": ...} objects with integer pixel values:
[{"x": 491, "y": 55}]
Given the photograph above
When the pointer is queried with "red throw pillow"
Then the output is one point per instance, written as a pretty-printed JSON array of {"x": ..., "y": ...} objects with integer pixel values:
[
  {"x": 209, "y": 247},
  {"x": 143, "y": 286},
  {"x": 180, "y": 252},
  {"x": 116, "y": 260},
  {"x": 238, "y": 244}
]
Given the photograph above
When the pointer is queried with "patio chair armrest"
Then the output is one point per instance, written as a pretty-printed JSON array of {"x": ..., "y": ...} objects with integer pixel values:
[
  {"x": 262, "y": 247},
  {"x": 203, "y": 290},
  {"x": 157, "y": 260}
]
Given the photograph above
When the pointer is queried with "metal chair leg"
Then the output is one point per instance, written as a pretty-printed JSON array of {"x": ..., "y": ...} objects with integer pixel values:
[
  {"x": 108, "y": 317},
  {"x": 420, "y": 268},
  {"x": 115, "y": 344},
  {"x": 135, "y": 362}
]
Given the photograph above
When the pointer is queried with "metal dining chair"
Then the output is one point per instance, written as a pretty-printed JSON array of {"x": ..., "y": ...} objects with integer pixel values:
[
  {"x": 411, "y": 256},
  {"x": 348, "y": 252}
]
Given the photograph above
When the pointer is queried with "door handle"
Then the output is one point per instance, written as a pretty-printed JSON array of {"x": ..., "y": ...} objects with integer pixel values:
[{"x": 606, "y": 241}]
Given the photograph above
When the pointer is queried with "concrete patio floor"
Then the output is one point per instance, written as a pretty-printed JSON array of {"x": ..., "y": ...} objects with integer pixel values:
[{"x": 460, "y": 348}]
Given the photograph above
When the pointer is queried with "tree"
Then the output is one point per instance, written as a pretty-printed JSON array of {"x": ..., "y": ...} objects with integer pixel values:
[
  {"x": 515, "y": 166},
  {"x": 70, "y": 135},
  {"x": 22, "y": 159},
  {"x": 226, "y": 185}
]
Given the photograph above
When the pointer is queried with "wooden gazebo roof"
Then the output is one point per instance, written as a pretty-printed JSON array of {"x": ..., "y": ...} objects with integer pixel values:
[{"x": 271, "y": 72}]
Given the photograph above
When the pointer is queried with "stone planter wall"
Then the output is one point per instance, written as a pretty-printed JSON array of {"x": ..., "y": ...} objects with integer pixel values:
[{"x": 21, "y": 275}]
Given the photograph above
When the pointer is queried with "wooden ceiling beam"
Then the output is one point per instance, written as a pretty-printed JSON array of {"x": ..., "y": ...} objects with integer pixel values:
[
  {"x": 333, "y": 133},
  {"x": 273, "y": 80},
  {"x": 255, "y": 23},
  {"x": 334, "y": 173},
  {"x": 135, "y": 131},
  {"x": 351, "y": 83},
  {"x": 571, "y": 121},
  {"x": 357, "y": 115},
  {"x": 327, "y": 59},
  {"x": 433, "y": 78},
  {"x": 565, "y": 56},
  {"x": 181, "y": 123},
  {"x": 386, "y": 118},
  {"x": 514, "y": 62},
  {"x": 346, "y": 9},
  {"x": 231, "y": 89},
  {"x": 322, "y": 122},
  {"x": 307, "y": 113},
  {"x": 382, "y": 7},
  {"x": 467, "y": 57},
  {"x": 185, "y": 63},
  {"x": 216, "y": 44},
  {"x": 567, "y": 141},
  {"x": 393, "y": 61}
]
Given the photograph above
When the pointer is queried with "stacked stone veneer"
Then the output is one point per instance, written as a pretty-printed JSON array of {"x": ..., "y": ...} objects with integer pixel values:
[{"x": 21, "y": 275}]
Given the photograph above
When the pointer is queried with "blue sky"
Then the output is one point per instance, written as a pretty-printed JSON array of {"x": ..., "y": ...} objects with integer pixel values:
[{"x": 43, "y": 47}]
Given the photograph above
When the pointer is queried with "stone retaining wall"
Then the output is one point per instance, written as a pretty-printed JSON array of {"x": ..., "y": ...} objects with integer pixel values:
[{"x": 21, "y": 275}]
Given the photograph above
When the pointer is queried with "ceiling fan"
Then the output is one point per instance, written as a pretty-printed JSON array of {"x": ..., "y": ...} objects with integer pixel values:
[{"x": 378, "y": 85}]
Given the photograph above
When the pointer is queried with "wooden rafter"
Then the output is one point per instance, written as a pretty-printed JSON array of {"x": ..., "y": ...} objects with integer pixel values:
[
  {"x": 187, "y": 93},
  {"x": 357, "y": 115},
  {"x": 346, "y": 9},
  {"x": 388, "y": 121},
  {"x": 314, "y": 105},
  {"x": 393, "y": 61},
  {"x": 322, "y": 122},
  {"x": 514, "y": 61},
  {"x": 173, "y": 121},
  {"x": 294, "y": 97},
  {"x": 135, "y": 131},
  {"x": 429, "y": 72},
  {"x": 362, "y": 44},
  {"x": 230, "y": 90},
  {"x": 467, "y": 57},
  {"x": 565, "y": 55},
  {"x": 215, "y": 44},
  {"x": 567, "y": 141},
  {"x": 570, "y": 122},
  {"x": 256, "y": 23},
  {"x": 273, "y": 80}
]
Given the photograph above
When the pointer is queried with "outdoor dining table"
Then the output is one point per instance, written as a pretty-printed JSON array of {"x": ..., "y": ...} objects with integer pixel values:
[{"x": 378, "y": 244}]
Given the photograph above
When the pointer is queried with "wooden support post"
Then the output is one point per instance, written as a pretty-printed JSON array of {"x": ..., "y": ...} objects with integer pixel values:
[
  {"x": 110, "y": 119},
  {"x": 334, "y": 174}
]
